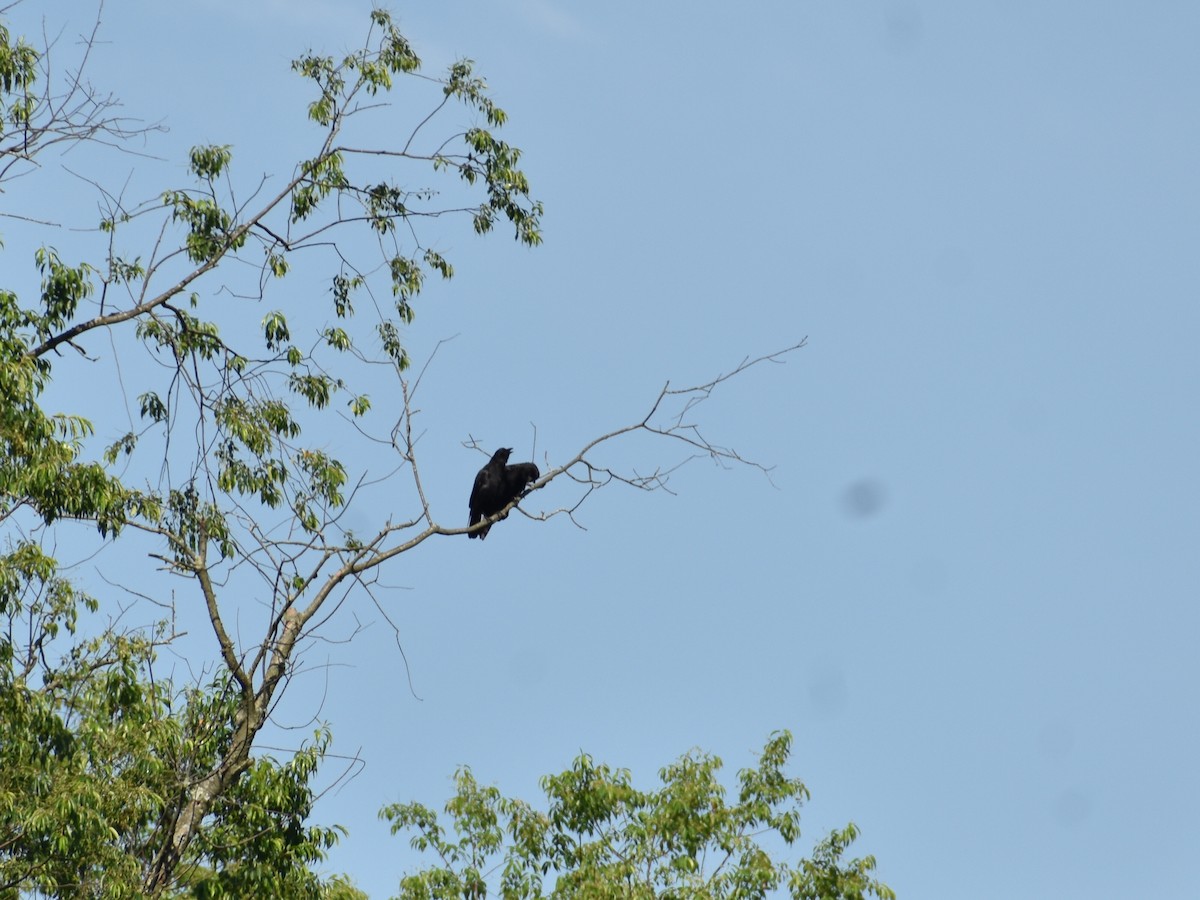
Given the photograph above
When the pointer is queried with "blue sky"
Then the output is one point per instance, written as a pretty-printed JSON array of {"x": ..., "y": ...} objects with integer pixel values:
[{"x": 971, "y": 593}]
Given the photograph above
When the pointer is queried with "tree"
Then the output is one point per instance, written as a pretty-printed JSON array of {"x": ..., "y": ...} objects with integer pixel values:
[
  {"x": 114, "y": 780},
  {"x": 601, "y": 837}
]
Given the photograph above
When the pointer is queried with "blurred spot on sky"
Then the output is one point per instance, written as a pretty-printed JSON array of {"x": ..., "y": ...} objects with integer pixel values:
[
  {"x": 903, "y": 26},
  {"x": 1072, "y": 808},
  {"x": 828, "y": 693},
  {"x": 864, "y": 498}
]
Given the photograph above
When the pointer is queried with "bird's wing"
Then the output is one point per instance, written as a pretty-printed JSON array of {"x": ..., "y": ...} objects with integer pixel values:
[{"x": 479, "y": 492}]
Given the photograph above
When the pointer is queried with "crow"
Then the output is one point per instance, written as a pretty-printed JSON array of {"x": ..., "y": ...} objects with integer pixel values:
[
  {"x": 497, "y": 485},
  {"x": 489, "y": 489}
]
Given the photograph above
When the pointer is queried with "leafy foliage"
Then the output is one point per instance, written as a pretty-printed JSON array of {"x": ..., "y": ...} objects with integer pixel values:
[
  {"x": 224, "y": 482},
  {"x": 115, "y": 781},
  {"x": 259, "y": 843},
  {"x": 600, "y": 837},
  {"x": 97, "y": 756}
]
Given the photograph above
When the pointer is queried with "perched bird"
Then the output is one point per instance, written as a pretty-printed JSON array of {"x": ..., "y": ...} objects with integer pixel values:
[
  {"x": 488, "y": 489},
  {"x": 497, "y": 485}
]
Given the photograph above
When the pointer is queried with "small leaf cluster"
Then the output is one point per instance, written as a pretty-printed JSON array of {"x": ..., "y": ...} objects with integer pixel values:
[
  {"x": 39, "y": 465},
  {"x": 194, "y": 524},
  {"x": 63, "y": 288},
  {"x": 211, "y": 230},
  {"x": 18, "y": 72},
  {"x": 320, "y": 177}
]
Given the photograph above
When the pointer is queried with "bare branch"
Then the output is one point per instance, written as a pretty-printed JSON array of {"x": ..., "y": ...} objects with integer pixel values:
[
  {"x": 677, "y": 427},
  {"x": 67, "y": 111}
]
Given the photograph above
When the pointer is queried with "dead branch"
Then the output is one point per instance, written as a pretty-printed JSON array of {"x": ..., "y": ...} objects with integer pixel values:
[
  {"x": 592, "y": 476},
  {"x": 66, "y": 111}
]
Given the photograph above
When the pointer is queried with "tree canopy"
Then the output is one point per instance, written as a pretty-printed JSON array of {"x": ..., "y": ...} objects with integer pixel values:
[
  {"x": 118, "y": 779},
  {"x": 600, "y": 837}
]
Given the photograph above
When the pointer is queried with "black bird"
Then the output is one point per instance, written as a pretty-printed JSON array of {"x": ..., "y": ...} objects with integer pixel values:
[
  {"x": 488, "y": 490},
  {"x": 497, "y": 485}
]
